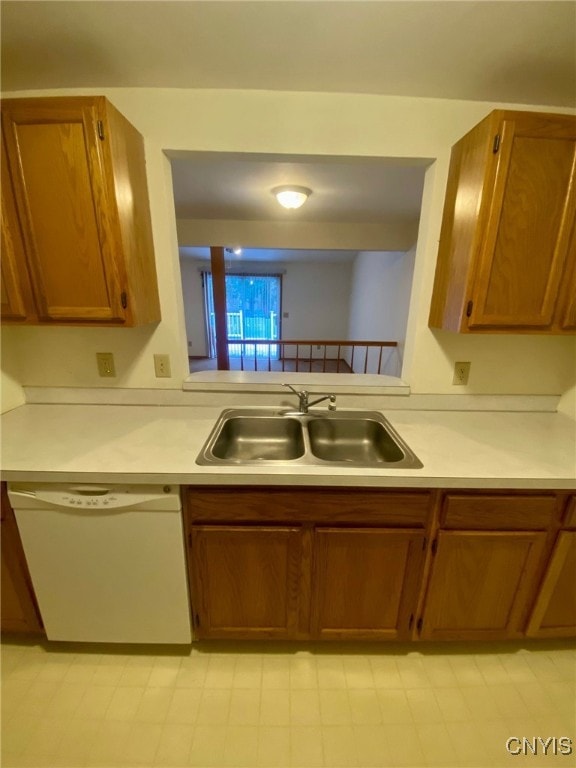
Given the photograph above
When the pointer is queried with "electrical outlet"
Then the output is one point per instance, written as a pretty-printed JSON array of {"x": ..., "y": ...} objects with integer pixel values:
[
  {"x": 105, "y": 362},
  {"x": 461, "y": 373},
  {"x": 162, "y": 366}
]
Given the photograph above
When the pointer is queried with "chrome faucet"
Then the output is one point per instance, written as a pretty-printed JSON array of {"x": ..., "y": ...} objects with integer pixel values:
[{"x": 304, "y": 403}]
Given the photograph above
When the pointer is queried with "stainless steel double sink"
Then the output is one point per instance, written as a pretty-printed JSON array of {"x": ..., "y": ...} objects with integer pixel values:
[{"x": 262, "y": 437}]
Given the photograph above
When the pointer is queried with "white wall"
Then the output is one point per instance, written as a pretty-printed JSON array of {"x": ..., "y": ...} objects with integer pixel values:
[
  {"x": 381, "y": 285},
  {"x": 316, "y": 296},
  {"x": 193, "y": 295},
  {"x": 295, "y": 123},
  {"x": 11, "y": 391},
  {"x": 567, "y": 402}
]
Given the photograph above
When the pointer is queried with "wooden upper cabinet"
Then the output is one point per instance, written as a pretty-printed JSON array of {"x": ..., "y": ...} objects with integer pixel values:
[
  {"x": 77, "y": 181},
  {"x": 507, "y": 254},
  {"x": 17, "y": 302}
]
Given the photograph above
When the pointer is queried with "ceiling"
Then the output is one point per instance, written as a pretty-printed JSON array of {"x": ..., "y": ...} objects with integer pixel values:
[
  {"x": 210, "y": 185},
  {"x": 500, "y": 51},
  {"x": 522, "y": 51}
]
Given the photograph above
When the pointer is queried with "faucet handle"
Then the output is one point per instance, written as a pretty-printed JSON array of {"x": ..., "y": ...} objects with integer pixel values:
[{"x": 302, "y": 393}]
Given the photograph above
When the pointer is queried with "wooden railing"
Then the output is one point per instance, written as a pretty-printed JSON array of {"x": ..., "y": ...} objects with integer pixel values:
[{"x": 335, "y": 356}]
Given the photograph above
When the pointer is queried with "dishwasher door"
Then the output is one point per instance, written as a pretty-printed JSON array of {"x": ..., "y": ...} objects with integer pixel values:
[{"x": 107, "y": 562}]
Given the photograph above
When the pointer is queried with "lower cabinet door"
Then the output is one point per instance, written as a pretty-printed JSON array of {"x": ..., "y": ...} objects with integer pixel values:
[
  {"x": 18, "y": 608},
  {"x": 554, "y": 613},
  {"x": 245, "y": 581},
  {"x": 481, "y": 584},
  {"x": 365, "y": 582}
]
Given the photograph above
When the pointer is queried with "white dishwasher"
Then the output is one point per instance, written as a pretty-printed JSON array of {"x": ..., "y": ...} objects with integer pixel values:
[{"x": 107, "y": 562}]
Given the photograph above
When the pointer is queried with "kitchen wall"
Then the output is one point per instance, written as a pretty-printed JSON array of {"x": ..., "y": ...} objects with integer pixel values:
[
  {"x": 381, "y": 286},
  {"x": 293, "y": 123}
]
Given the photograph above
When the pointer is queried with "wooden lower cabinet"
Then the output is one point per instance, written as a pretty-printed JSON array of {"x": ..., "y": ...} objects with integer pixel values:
[
  {"x": 381, "y": 564},
  {"x": 322, "y": 564},
  {"x": 554, "y": 613},
  {"x": 19, "y": 612},
  {"x": 246, "y": 581},
  {"x": 480, "y": 584},
  {"x": 365, "y": 582}
]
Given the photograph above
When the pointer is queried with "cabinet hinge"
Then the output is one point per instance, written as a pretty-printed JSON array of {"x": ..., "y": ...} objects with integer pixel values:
[
  {"x": 496, "y": 145},
  {"x": 419, "y": 625},
  {"x": 124, "y": 299},
  {"x": 434, "y": 546},
  {"x": 411, "y": 622},
  {"x": 100, "y": 128},
  {"x": 469, "y": 308}
]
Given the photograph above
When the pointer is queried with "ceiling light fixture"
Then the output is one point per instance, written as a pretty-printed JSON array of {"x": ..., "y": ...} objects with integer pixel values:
[{"x": 291, "y": 197}]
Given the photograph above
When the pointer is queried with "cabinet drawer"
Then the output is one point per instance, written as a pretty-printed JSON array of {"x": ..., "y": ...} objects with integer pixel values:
[
  {"x": 343, "y": 505},
  {"x": 569, "y": 520},
  {"x": 497, "y": 512}
]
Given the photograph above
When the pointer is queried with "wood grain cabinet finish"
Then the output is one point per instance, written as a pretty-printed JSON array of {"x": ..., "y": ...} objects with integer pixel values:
[
  {"x": 74, "y": 191},
  {"x": 19, "y": 612},
  {"x": 246, "y": 581},
  {"x": 17, "y": 303},
  {"x": 480, "y": 584},
  {"x": 554, "y": 611},
  {"x": 486, "y": 560},
  {"x": 265, "y": 563},
  {"x": 381, "y": 564},
  {"x": 507, "y": 254},
  {"x": 365, "y": 583}
]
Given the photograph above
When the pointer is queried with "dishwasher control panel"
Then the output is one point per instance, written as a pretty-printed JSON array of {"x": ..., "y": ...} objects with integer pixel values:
[{"x": 95, "y": 497}]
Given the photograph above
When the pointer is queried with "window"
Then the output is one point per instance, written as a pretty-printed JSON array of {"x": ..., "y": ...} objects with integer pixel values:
[{"x": 253, "y": 306}]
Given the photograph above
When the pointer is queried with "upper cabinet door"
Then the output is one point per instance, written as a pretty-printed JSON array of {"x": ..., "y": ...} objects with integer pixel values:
[
  {"x": 568, "y": 302},
  {"x": 17, "y": 303},
  {"x": 530, "y": 219},
  {"x": 78, "y": 185},
  {"x": 68, "y": 222},
  {"x": 505, "y": 258}
]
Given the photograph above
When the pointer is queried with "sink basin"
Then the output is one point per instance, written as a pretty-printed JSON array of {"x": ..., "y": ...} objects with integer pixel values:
[
  {"x": 253, "y": 438},
  {"x": 318, "y": 438},
  {"x": 353, "y": 440}
]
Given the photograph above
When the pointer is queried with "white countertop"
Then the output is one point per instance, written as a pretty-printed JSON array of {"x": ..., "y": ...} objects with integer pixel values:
[{"x": 159, "y": 444}]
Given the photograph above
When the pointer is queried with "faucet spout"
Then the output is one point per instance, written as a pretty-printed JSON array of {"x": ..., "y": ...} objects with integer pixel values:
[{"x": 331, "y": 405}]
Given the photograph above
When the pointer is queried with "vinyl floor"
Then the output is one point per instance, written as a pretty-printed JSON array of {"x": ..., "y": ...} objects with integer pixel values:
[{"x": 246, "y": 705}]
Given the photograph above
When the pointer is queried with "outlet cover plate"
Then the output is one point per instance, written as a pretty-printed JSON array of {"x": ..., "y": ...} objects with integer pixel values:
[
  {"x": 105, "y": 362},
  {"x": 461, "y": 374},
  {"x": 162, "y": 366}
]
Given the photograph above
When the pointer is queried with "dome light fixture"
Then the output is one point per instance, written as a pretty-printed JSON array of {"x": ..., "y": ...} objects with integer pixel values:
[{"x": 290, "y": 196}]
